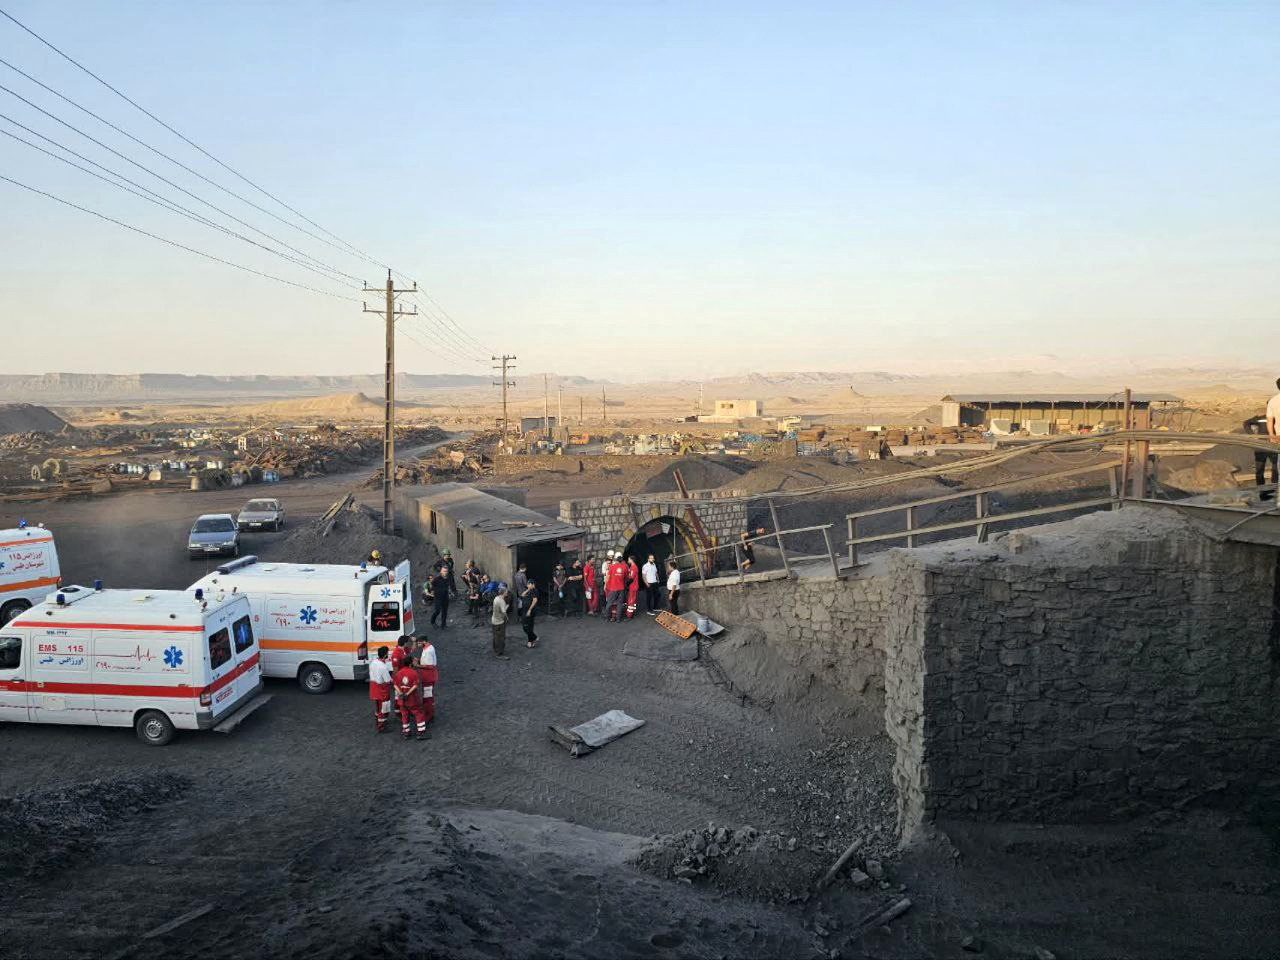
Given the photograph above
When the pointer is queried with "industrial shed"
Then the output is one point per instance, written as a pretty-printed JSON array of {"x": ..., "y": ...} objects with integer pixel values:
[
  {"x": 495, "y": 533},
  {"x": 1049, "y": 412}
]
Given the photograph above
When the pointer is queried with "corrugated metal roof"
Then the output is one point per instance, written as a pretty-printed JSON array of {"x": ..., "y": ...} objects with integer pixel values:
[
  {"x": 1090, "y": 398},
  {"x": 494, "y": 518}
]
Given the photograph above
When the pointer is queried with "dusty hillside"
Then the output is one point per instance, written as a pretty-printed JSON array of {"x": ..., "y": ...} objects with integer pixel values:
[
  {"x": 27, "y": 417},
  {"x": 335, "y": 406}
]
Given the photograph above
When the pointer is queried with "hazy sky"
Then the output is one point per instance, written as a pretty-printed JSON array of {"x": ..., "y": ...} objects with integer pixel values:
[{"x": 649, "y": 188}]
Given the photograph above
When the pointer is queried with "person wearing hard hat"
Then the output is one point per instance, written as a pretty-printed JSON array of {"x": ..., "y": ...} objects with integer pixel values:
[
  {"x": 375, "y": 558},
  {"x": 380, "y": 689}
]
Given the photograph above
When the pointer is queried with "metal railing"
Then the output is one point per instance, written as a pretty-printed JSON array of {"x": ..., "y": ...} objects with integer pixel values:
[
  {"x": 699, "y": 557},
  {"x": 982, "y": 518}
]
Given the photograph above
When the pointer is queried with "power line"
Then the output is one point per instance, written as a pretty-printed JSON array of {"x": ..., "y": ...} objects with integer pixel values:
[
  {"x": 176, "y": 162},
  {"x": 147, "y": 194},
  {"x": 183, "y": 138},
  {"x": 461, "y": 346},
  {"x": 213, "y": 206},
  {"x": 175, "y": 243}
]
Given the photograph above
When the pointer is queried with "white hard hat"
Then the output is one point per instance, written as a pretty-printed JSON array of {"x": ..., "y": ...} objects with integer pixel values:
[{"x": 610, "y": 553}]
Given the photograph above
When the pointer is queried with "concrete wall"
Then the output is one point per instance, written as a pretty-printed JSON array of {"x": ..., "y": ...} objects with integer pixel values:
[
  {"x": 1092, "y": 670},
  {"x": 611, "y": 522},
  {"x": 830, "y": 629}
]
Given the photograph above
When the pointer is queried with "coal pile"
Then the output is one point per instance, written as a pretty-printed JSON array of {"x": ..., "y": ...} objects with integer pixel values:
[{"x": 42, "y": 830}]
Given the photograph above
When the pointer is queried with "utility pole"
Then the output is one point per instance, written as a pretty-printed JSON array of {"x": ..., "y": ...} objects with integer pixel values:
[
  {"x": 699, "y": 413},
  {"x": 580, "y": 410},
  {"x": 559, "y": 408},
  {"x": 604, "y": 414},
  {"x": 389, "y": 399},
  {"x": 546, "y": 410},
  {"x": 506, "y": 364}
]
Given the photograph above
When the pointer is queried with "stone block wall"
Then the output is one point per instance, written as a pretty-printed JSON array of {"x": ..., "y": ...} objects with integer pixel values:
[
  {"x": 1092, "y": 670},
  {"x": 611, "y": 521},
  {"x": 831, "y": 629}
]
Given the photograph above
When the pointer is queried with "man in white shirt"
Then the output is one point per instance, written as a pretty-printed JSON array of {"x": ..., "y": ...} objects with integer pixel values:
[
  {"x": 501, "y": 606},
  {"x": 380, "y": 689},
  {"x": 673, "y": 586},
  {"x": 649, "y": 574}
]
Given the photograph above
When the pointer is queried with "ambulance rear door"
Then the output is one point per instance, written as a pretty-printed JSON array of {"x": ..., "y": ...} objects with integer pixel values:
[
  {"x": 385, "y": 620},
  {"x": 400, "y": 575},
  {"x": 220, "y": 688},
  {"x": 15, "y": 652},
  {"x": 247, "y": 653}
]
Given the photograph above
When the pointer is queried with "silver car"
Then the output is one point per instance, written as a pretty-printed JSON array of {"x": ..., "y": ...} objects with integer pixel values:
[
  {"x": 261, "y": 515},
  {"x": 214, "y": 534}
]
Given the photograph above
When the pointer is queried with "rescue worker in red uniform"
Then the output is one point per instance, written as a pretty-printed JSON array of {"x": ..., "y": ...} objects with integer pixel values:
[
  {"x": 409, "y": 696},
  {"x": 424, "y": 660},
  {"x": 380, "y": 689},
  {"x": 400, "y": 655}
]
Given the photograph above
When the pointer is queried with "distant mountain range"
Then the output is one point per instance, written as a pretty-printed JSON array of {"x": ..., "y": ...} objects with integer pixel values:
[{"x": 106, "y": 388}]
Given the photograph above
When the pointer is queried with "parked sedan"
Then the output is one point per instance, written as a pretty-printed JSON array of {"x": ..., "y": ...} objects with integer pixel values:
[
  {"x": 214, "y": 533},
  {"x": 261, "y": 515}
]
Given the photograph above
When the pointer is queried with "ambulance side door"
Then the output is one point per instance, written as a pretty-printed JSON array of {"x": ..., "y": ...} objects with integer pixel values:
[
  {"x": 14, "y": 654},
  {"x": 244, "y": 643},
  {"x": 401, "y": 576}
]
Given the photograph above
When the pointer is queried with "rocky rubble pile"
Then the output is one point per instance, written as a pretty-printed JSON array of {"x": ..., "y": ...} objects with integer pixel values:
[
  {"x": 769, "y": 865},
  {"x": 41, "y": 830}
]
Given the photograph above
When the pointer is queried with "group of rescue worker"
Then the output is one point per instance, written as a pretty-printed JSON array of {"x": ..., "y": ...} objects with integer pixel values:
[{"x": 406, "y": 676}]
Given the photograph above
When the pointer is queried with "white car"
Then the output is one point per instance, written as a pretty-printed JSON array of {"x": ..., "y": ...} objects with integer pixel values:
[{"x": 261, "y": 515}]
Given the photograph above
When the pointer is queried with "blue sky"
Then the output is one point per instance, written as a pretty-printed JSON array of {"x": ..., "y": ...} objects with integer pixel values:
[{"x": 635, "y": 189}]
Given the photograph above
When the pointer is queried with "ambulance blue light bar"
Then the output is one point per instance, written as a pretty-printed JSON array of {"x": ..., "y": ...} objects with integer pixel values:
[{"x": 238, "y": 564}]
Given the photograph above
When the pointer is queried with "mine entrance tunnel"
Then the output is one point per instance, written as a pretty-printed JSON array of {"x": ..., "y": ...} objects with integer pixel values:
[{"x": 663, "y": 537}]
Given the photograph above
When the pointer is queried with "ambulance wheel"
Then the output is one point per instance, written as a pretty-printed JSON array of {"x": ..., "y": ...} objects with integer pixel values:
[
  {"x": 154, "y": 728},
  {"x": 11, "y": 610},
  {"x": 315, "y": 678}
]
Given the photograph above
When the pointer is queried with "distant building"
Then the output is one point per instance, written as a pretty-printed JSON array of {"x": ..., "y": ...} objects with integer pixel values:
[
  {"x": 731, "y": 411},
  {"x": 1043, "y": 413},
  {"x": 530, "y": 424}
]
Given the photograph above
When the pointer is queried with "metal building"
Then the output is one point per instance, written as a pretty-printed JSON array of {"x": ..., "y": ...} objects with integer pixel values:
[
  {"x": 495, "y": 533},
  {"x": 1047, "y": 413}
]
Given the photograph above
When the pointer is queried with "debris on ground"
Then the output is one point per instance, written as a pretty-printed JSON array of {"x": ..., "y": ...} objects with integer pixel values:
[
  {"x": 348, "y": 536},
  {"x": 596, "y": 733},
  {"x": 662, "y": 648},
  {"x": 43, "y": 830}
]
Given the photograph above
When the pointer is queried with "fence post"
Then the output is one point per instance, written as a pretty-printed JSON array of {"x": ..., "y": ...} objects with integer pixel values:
[
  {"x": 742, "y": 576},
  {"x": 777, "y": 529},
  {"x": 835, "y": 567},
  {"x": 853, "y": 535},
  {"x": 911, "y": 525},
  {"x": 980, "y": 511},
  {"x": 1117, "y": 491}
]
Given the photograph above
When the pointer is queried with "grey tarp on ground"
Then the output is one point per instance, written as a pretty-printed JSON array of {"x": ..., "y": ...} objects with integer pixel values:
[
  {"x": 593, "y": 734},
  {"x": 706, "y": 626}
]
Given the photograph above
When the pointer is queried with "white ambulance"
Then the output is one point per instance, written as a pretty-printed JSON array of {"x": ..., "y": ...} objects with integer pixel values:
[
  {"x": 28, "y": 569},
  {"x": 319, "y": 621},
  {"x": 154, "y": 660}
]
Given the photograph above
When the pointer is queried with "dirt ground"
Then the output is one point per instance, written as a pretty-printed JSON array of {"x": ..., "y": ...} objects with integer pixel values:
[{"x": 310, "y": 835}]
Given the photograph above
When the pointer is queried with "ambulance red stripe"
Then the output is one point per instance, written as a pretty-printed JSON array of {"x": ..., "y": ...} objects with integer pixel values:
[
  {"x": 19, "y": 543},
  {"x": 164, "y": 628},
  {"x": 27, "y": 584},
  {"x": 133, "y": 689}
]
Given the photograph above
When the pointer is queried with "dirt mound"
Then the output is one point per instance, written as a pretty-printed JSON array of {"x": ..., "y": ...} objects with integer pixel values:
[
  {"x": 699, "y": 473},
  {"x": 1205, "y": 476},
  {"x": 28, "y": 418},
  {"x": 354, "y": 534},
  {"x": 336, "y": 406},
  {"x": 760, "y": 672},
  {"x": 42, "y": 830}
]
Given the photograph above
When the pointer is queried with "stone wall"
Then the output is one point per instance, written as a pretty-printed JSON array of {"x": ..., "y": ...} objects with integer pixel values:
[
  {"x": 832, "y": 630},
  {"x": 611, "y": 522},
  {"x": 1092, "y": 670},
  {"x": 511, "y": 464}
]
